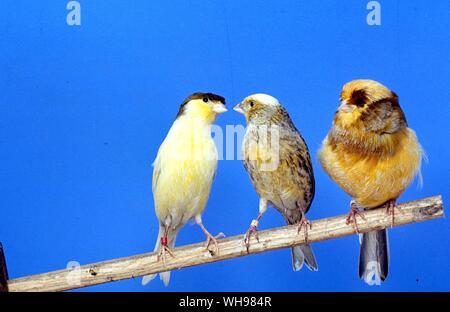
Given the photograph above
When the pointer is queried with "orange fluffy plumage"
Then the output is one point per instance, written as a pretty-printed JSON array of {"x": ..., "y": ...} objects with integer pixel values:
[{"x": 373, "y": 156}]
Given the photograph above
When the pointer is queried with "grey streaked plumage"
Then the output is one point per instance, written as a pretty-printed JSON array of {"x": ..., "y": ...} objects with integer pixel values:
[{"x": 284, "y": 177}]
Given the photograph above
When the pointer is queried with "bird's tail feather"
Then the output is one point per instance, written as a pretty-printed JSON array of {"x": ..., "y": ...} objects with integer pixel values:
[
  {"x": 304, "y": 254},
  {"x": 374, "y": 257},
  {"x": 164, "y": 276}
]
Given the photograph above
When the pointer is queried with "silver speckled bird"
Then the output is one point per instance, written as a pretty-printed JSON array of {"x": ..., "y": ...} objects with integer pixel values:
[{"x": 278, "y": 162}]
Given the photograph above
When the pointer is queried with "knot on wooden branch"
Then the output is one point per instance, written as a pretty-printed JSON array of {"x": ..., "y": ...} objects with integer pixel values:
[
  {"x": 429, "y": 207},
  {"x": 429, "y": 211}
]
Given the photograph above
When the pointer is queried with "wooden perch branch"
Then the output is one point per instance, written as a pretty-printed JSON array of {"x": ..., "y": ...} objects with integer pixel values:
[{"x": 233, "y": 247}]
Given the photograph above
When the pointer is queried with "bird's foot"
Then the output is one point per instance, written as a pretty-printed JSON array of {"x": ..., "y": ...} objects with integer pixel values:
[
  {"x": 304, "y": 223},
  {"x": 210, "y": 238},
  {"x": 213, "y": 239},
  {"x": 162, "y": 255},
  {"x": 252, "y": 231},
  {"x": 351, "y": 218},
  {"x": 390, "y": 210}
]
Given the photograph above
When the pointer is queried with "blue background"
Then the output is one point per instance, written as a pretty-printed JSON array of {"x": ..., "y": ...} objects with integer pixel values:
[{"x": 83, "y": 110}]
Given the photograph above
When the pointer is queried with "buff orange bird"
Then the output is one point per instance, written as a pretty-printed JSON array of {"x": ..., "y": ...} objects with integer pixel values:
[{"x": 373, "y": 156}]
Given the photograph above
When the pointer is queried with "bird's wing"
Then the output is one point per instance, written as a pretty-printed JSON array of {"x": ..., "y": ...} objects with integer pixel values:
[
  {"x": 156, "y": 172},
  {"x": 297, "y": 169},
  {"x": 290, "y": 187},
  {"x": 385, "y": 116}
]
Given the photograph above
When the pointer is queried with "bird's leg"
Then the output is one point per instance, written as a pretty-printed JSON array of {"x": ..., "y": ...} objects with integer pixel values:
[
  {"x": 253, "y": 231},
  {"x": 351, "y": 218},
  {"x": 164, "y": 249},
  {"x": 306, "y": 223},
  {"x": 390, "y": 209},
  {"x": 209, "y": 237}
]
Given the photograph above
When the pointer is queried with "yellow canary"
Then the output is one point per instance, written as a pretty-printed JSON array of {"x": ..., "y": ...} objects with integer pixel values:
[
  {"x": 373, "y": 156},
  {"x": 277, "y": 159},
  {"x": 183, "y": 173}
]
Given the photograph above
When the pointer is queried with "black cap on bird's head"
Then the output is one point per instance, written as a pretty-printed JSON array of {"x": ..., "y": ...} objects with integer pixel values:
[
  {"x": 204, "y": 97},
  {"x": 217, "y": 102}
]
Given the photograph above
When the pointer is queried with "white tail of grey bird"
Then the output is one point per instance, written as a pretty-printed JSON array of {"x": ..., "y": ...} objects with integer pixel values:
[
  {"x": 304, "y": 254},
  {"x": 171, "y": 237},
  {"x": 374, "y": 257}
]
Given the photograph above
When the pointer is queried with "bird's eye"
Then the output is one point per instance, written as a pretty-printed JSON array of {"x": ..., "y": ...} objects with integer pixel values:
[
  {"x": 205, "y": 99},
  {"x": 359, "y": 98},
  {"x": 252, "y": 104},
  {"x": 360, "y": 102}
]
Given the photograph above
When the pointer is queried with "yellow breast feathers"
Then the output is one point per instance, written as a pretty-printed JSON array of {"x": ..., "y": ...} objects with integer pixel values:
[
  {"x": 184, "y": 169},
  {"x": 373, "y": 178}
]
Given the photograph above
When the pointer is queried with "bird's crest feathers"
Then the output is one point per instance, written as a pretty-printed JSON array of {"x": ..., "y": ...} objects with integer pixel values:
[
  {"x": 201, "y": 104},
  {"x": 265, "y": 99}
]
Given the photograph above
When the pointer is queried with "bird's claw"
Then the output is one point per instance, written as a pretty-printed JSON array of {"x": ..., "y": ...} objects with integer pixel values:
[
  {"x": 162, "y": 253},
  {"x": 304, "y": 223},
  {"x": 252, "y": 231},
  {"x": 210, "y": 238},
  {"x": 390, "y": 210},
  {"x": 351, "y": 218}
]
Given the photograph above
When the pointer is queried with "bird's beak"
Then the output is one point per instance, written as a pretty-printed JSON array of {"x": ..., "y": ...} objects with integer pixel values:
[
  {"x": 238, "y": 108},
  {"x": 219, "y": 108},
  {"x": 344, "y": 107}
]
